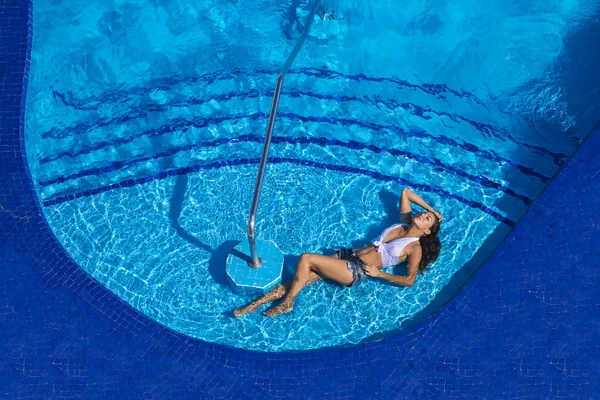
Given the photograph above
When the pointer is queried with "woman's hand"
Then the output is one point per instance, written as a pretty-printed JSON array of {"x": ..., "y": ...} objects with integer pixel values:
[
  {"x": 438, "y": 215},
  {"x": 371, "y": 270}
]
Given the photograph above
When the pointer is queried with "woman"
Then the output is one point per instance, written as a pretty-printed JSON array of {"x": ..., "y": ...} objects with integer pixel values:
[{"x": 414, "y": 240}]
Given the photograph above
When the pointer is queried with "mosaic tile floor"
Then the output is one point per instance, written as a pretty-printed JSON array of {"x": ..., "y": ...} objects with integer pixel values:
[{"x": 526, "y": 326}]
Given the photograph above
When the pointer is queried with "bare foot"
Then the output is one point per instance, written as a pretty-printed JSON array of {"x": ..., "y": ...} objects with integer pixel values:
[
  {"x": 240, "y": 312},
  {"x": 284, "y": 307}
]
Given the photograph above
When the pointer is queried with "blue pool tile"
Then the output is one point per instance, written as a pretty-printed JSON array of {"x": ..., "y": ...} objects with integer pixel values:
[{"x": 526, "y": 326}]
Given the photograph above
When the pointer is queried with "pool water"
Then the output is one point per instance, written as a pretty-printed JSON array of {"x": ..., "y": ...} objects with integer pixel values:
[{"x": 144, "y": 129}]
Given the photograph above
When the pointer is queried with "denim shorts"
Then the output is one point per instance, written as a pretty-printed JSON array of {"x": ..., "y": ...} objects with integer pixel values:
[{"x": 355, "y": 265}]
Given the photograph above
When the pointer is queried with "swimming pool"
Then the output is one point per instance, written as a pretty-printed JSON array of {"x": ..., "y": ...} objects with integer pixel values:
[{"x": 143, "y": 140}]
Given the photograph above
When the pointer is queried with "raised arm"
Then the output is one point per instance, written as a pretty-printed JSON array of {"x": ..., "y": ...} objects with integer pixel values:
[{"x": 408, "y": 197}]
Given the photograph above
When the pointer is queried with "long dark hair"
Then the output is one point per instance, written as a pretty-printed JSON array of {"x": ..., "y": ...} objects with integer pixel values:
[{"x": 430, "y": 246}]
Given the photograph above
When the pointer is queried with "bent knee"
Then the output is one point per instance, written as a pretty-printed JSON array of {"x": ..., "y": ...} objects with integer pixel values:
[
  {"x": 307, "y": 260},
  {"x": 306, "y": 257}
]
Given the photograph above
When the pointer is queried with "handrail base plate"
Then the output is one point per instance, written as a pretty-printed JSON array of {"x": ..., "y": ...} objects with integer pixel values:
[{"x": 245, "y": 280}]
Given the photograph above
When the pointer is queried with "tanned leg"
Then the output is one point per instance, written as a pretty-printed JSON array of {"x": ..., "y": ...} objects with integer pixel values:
[
  {"x": 324, "y": 266},
  {"x": 299, "y": 281},
  {"x": 276, "y": 293},
  {"x": 273, "y": 295}
]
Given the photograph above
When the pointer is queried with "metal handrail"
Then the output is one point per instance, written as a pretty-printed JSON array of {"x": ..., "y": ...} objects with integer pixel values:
[{"x": 256, "y": 262}]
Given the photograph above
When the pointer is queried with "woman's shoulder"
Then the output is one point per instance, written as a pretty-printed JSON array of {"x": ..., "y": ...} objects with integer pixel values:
[{"x": 414, "y": 249}]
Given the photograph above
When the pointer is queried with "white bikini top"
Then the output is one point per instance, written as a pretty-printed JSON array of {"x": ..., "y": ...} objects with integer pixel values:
[{"x": 392, "y": 250}]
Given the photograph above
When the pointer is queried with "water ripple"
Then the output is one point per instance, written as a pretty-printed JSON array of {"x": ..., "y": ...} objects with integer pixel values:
[
  {"x": 279, "y": 160},
  {"x": 351, "y": 144},
  {"x": 200, "y": 122}
]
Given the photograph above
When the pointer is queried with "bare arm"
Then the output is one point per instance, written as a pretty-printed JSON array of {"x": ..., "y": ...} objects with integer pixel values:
[
  {"x": 402, "y": 280},
  {"x": 407, "y": 197},
  {"x": 414, "y": 258}
]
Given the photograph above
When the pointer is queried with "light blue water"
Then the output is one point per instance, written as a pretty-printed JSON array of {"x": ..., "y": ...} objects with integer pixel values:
[{"x": 144, "y": 125}]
